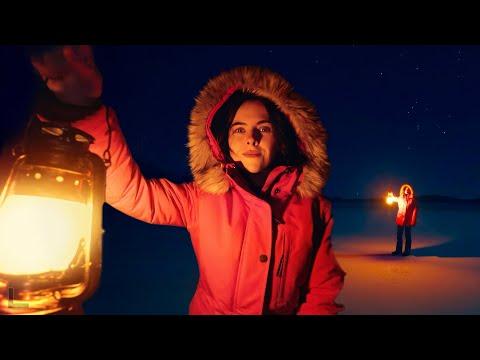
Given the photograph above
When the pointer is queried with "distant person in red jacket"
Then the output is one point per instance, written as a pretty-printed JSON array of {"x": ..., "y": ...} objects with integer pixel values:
[{"x": 406, "y": 218}]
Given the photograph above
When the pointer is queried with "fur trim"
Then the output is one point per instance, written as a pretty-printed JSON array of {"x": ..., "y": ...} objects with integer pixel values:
[
  {"x": 208, "y": 172},
  {"x": 402, "y": 189}
]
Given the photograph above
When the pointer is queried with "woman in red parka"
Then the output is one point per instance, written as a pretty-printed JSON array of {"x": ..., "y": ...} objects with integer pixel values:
[
  {"x": 406, "y": 219},
  {"x": 260, "y": 228}
]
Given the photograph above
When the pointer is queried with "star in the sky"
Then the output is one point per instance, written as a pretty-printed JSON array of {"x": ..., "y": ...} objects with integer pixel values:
[{"x": 412, "y": 110}]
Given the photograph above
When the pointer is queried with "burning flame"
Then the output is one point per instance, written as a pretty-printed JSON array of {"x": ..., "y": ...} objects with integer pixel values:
[
  {"x": 39, "y": 234},
  {"x": 390, "y": 198}
]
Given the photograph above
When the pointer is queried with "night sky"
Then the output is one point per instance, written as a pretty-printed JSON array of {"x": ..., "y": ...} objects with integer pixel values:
[{"x": 394, "y": 114}]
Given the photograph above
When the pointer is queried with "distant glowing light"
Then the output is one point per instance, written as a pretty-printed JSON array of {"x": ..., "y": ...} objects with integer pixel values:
[
  {"x": 390, "y": 198},
  {"x": 37, "y": 176},
  {"x": 59, "y": 178}
]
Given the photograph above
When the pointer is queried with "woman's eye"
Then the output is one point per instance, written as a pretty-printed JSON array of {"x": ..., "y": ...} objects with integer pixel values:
[
  {"x": 266, "y": 129},
  {"x": 238, "y": 131}
]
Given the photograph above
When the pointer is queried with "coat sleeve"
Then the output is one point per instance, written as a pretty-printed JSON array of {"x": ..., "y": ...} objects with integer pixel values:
[
  {"x": 414, "y": 213},
  {"x": 326, "y": 277},
  {"x": 156, "y": 201}
]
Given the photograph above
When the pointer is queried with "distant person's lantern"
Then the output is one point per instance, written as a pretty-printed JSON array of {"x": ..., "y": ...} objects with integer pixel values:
[
  {"x": 51, "y": 222},
  {"x": 390, "y": 198}
]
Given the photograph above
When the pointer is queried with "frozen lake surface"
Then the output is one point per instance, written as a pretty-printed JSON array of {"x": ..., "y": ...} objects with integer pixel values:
[{"x": 442, "y": 276}]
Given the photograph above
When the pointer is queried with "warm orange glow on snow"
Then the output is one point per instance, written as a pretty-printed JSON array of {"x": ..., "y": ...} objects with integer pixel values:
[{"x": 378, "y": 283}]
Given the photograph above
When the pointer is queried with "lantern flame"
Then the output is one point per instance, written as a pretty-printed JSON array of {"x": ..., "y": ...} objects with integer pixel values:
[
  {"x": 390, "y": 198},
  {"x": 40, "y": 234}
]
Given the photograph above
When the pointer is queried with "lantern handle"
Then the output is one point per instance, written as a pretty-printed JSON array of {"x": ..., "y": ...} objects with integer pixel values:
[
  {"x": 19, "y": 149},
  {"x": 3, "y": 194},
  {"x": 107, "y": 156}
]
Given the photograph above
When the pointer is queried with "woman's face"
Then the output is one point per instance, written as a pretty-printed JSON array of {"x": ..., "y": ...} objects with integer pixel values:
[{"x": 251, "y": 137}]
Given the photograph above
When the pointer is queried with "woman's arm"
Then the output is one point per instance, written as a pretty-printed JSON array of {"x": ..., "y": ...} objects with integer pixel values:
[
  {"x": 73, "y": 86},
  {"x": 157, "y": 201}
]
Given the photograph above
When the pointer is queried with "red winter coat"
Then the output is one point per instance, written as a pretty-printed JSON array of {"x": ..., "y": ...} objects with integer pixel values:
[
  {"x": 407, "y": 211},
  {"x": 407, "y": 207},
  {"x": 245, "y": 247}
]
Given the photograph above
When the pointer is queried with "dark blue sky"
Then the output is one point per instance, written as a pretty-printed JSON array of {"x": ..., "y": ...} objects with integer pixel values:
[{"x": 394, "y": 114}]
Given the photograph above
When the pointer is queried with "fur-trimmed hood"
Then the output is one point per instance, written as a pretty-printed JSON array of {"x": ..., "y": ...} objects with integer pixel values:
[
  {"x": 206, "y": 159},
  {"x": 402, "y": 189}
]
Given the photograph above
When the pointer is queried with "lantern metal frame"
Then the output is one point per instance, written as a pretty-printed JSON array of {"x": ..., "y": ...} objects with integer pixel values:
[{"x": 55, "y": 147}]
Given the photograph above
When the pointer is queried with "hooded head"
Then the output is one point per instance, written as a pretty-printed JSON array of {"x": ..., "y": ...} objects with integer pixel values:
[
  {"x": 406, "y": 190},
  {"x": 252, "y": 115},
  {"x": 251, "y": 131}
]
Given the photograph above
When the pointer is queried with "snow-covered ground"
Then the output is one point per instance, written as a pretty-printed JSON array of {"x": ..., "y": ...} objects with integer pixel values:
[{"x": 442, "y": 276}]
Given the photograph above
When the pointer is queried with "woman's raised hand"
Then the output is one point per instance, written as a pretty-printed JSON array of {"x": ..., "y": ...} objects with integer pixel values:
[{"x": 70, "y": 73}]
